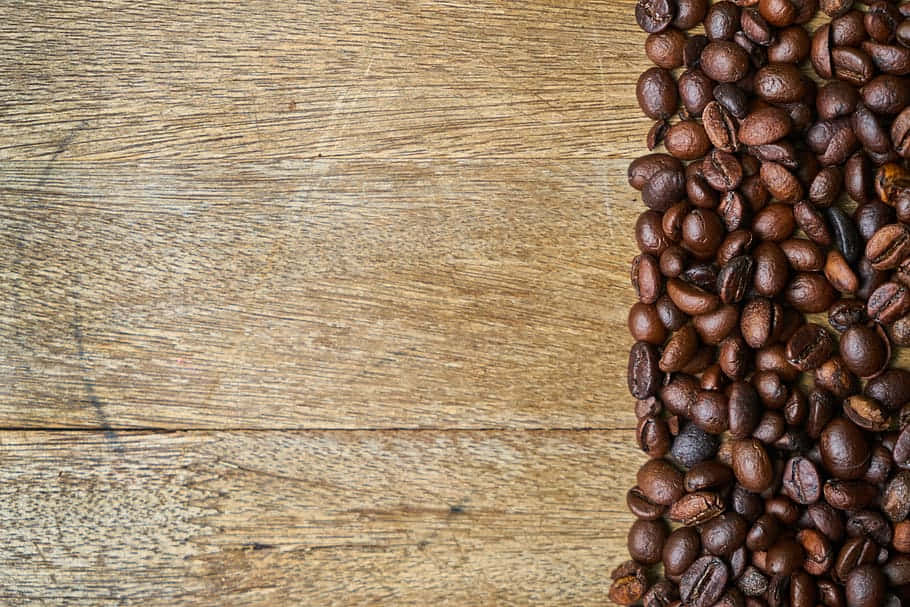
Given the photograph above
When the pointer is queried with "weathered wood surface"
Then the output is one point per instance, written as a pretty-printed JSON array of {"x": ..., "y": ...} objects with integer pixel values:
[
  {"x": 311, "y": 518},
  {"x": 270, "y": 226}
]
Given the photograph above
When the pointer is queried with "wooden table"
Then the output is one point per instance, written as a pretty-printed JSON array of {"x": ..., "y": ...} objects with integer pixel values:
[{"x": 315, "y": 303}]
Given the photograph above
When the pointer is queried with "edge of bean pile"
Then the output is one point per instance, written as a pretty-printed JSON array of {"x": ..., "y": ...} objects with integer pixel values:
[{"x": 772, "y": 286}]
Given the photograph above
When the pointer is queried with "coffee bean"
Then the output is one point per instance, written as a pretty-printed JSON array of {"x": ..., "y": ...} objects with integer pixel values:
[
  {"x": 844, "y": 450},
  {"x": 735, "y": 278},
  {"x": 844, "y": 232},
  {"x": 722, "y": 20},
  {"x": 870, "y": 218},
  {"x": 751, "y": 465},
  {"x": 835, "y": 8},
  {"x": 775, "y": 222},
  {"x": 709, "y": 412},
  {"x": 852, "y": 65},
  {"x": 813, "y": 223},
  {"x": 690, "y": 13},
  {"x": 832, "y": 140},
  {"x": 704, "y": 582},
  {"x": 900, "y": 133},
  {"x": 629, "y": 584},
  {"x": 721, "y": 128},
  {"x": 785, "y": 556},
  {"x": 865, "y": 587},
  {"x": 849, "y": 495},
  {"x": 724, "y": 534},
  {"x": 752, "y": 582},
  {"x": 779, "y": 83},
  {"x": 644, "y": 324},
  {"x": 864, "y": 350},
  {"x": 817, "y": 548},
  {"x": 643, "y": 169},
  {"x": 666, "y": 188},
  {"x": 889, "y": 246},
  {"x": 760, "y": 322},
  {"x": 867, "y": 413},
  {"x": 715, "y": 326},
  {"x": 646, "y": 541},
  {"x": 791, "y": 46},
  {"x": 660, "y": 482},
  {"x": 657, "y": 94},
  {"x": 691, "y": 299},
  {"x": 643, "y": 508},
  {"x": 681, "y": 549},
  {"x": 661, "y": 594},
  {"x": 826, "y": 187},
  {"x": 801, "y": 481},
  {"x": 886, "y": 94},
  {"x": 869, "y": 131},
  {"x": 870, "y": 524},
  {"x": 803, "y": 255},
  {"x": 695, "y": 90},
  {"x": 733, "y": 99},
  {"x": 891, "y": 389},
  {"x": 835, "y": 377},
  {"x": 644, "y": 376},
  {"x": 896, "y": 497},
  {"x": 765, "y": 125},
  {"x": 810, "y": 293},
  {"x": 845, "y": 313},
  {"x": 839, "y": 273},
  {"x": 665, "y": 49},
  {"x": 888, "y": 302},
  {"x": 880, "y": 465},
  {"x": 693, "y": 445},
  {"x": 655, "y": 15},
  {"x": 679, "y": 350}
]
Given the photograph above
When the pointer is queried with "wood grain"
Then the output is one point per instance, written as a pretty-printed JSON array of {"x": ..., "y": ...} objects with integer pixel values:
[
  {"x": 320, "y": 294},
  {"x": 241, "y": 78},
  {"x": 312, "y": 518}
]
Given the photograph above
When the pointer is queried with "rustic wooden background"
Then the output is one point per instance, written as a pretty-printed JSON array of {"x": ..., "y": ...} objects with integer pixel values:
[{"x": 315, "y": 303}]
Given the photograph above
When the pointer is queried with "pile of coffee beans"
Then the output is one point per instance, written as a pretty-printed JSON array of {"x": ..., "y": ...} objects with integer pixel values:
[{"x": 773, "y": 285}]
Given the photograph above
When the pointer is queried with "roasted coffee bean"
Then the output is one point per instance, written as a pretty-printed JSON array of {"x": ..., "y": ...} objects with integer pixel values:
[
  {"x": 844, "y": 449},
  {"x": 722, "y": 20},
  {"x": 660, "y": 482},
  {"x": 687, "y": 140},
  {"x": 752, "y": 465},
  {"x": 692, "y": 51},
  {"x": 889, "y": 246},
  {"x": 835, "y": 8},
  {"x": 810, "y": 347},
  {"x": 646, "y": 278},
  {"x": 704, "y": 582},
  {"x": 866, "y": 413},
  {"x": 691, "y": 299},
  {"x": 679, "y": 394},
  {"x": 653, "y": 436},
  {"x": 832, "y": 140},
  {"x": 771, "y": 427},
  {"x": 655, "y": 15},
  {"x": 886, "y": 94},
  {"x": 813, "y": 223},
  {"x": 681, "y": 549},
  {"x": 775, "y": 222},
  {"x": 845, "y": 313},
  {"x": 693, "y": 445},
  {"x": 796, "y": 410},
  {"x": 785, "y": 556},
  {"x": 643, "y": 508},
  {"x": 629, "y": 584},
  {"x": 722, "y": 171},
  {"x": 771, "y": 269},
  {"x": 744, "y": 409},
  {"x": 765, "y": 125},
  {"x": 810, "y": 293},
  {"x": 644, "y": 324},
  {"x": 835, "y": 377},
  {"x": 642, "y": 170},
  {"x": 870, "y": 218},
  {"x": 858, "y": 178},
  {"x": 791, "y": 46},
  {"x": 695, "y": 91},
  {"x": 782, "y": 152},
  {"x": 836, "y": 99},
  {"x": 781, "y": 183},
  {"x": 646, "y": 540},
  {"x": 700, "y": 193},
  {"x": 880, "y": 464},
  {"x": 721, "y": 128},
  {"x": 764, "y": 533},
  {"x": 891, "y": 389},
  {"x": 665, "y": 49},
  {"x": 779, "y": 83},
  {"x": 864, "y": 350},
  {"x": 661, "y": 594},
  {"x": 657, "y": 94},
  {"x": 901, "y": 450},
  {"x": 839, "y": 273},
  {"x": 849, "y": 495},
  {"x": 649, "y": 234},
  {"x": 896, "y": 497},
  {"x": 752, "y": 583},
  {"x": 724, "y": 534},
  {"x": 733, "y": 99},
  {"x": 852, "y": 65},
  {"x": 900, "y": 133},
  {"x": 881, "y": 21},
  {"x": 870, "y": 524},
  {"x": 725, "y": 61},
  {"x": 696, "y": 508},
  {"x": 734, "y": 211},
  {"x": 870, "y": 132},
  {"x": 801, "y": 481},
  {"x": 709, "y": 412},
  {"x": 715, "y": 326},
  {"x": 888, "y": 302},
  {"x": 803, "y": 255},
  {"x": 826, "y": 187},
  {"x": 707, "y": 475},
  {"x": 899, "y": 331},
  {"x": 760, "y": 322},
  {"x": 735, "y": 278},
  {"x": 846, "y": 237},
  {"x": 648, "y": 406},
  {"x": 690, "y": 13},
  {"x": 644, "y": 375},
  {"x": 817, "y": 548},
  {"x": 865, "y": 587}
]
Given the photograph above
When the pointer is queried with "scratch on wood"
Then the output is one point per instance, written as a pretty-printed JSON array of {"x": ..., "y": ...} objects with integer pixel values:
[{"x": 89, "y": 385}]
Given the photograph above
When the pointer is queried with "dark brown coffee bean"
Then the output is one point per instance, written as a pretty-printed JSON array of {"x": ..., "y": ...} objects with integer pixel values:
[
  {"x": 665, "y": 49},
  {"x": 735, "y": 278},
  {"x": 653, "y": 436},
  {"x": 724, "y": 534},
  {"x": 696, "y": 508},
  {"x": 896, "y": 497},
  {"x": 796, "y": 409},
  {"x": 771, "y": 427},
  {"x": 867, "y": 413},
  {"x": 835, "y": 8},
  {"x": 900, "y": 133},
  {"x": 647, "y": 407},
  {"x": 826, "y": 520},
  {"x": 655, "y": 15},
  {"x": 629, "y": 584},
  {"x": 642, "y": 507},
  {"x": 661, "y": 594},
  {"x": 646, "y": 541},
  {"x": 744, "y": 409},
  {"x": 849, "y": 495},
  {"x": 765, "y": 125},
  {"x": 817, "y": 548},
  {"x": 865, "y": 587},
  {"x": 771, "y": 269},
  {"x": 780, "y": 83},
  {"x": 781, "y": 183},
  {"x": 853, "y": 66},
  {"x": 880, "y": 465},
  {"x": 845, "y": 313},
  {"x": 691, "y": 299},
  {"x": 679, "y": 394},
  {"x": 870, "y": 218},
  {"x": 781, "y": 152},
  {"x": 733, "y": 99},
  {"x": 707, "y": 475},
  {"x": 891, "y": 389},
  {"x": 644, "y": 375},
  {"x": 722, "y": 20},
  {"x": 810, "y": 347},
  {"x": 886, "y": 94},
  {"x": 820, "y": 52},
  {"x": 888, "y": 246},
  {"x": 709, "y": 412},
  {"x": 681, "y": 549},
  {"x": 704, "y": 582},
  {"x": 721, "y": 128},
  {"x": 870, "y": 524},
  {"x": 646, "y": 279},
  {"x": 803, "y": 255},
  {"x": 864, "y": 350},
  {"x": 888, "y": 302},
  {"x": 855, "y": 552},
  {"x": 752, "y": 465},
  {"x": 881, "y": 21},
  {"x": 835, "y": 377},
  {"x": 832, "y": 140},
  {"x": 845, "y": 235},
  {"x": 775, "y": 222},
  {"x": 771, "y": 389},
  {"x": 644, "y": 324},
  {"x": 791, "y": 46},
  {"x": 871, "y": 134},
  {"x": 722, "y": 171},
  {"x": 693, "y": 445},
  {"x": 813, "y": 223},
  {"x": 687, "y": 140},
  {"x": 844, "y": 450},
  {"x": 858, "y": 178},
  {"x": 715, "y": 326},
  {"x": 836, "y": 99},
  {"x": 660, "y": 482},
  {"x": 760, "y": 322},
  {"x": 643, "y": 169},
  {"x": 901, "y": 450},
  {"x": 763, "y": 534},
  {"x": 785, "y": 556},
  {"x": 733, "y": 357},
  {"x": 897, "y": 570},
  {"x": 752, "y": 583},
  {"x": 657, "y": 94},
  {"x": 695, "y": 91},
  {"x": 889, "y": 58},
  {"x": 810, "y": 293},
  {"x": 826, "y": 187},
  {"x": 690, "y": 13},
  {"x": 734, "y": 211},
  {"x": 649, "y": 234},
  {"x": 839, "y": 273}
]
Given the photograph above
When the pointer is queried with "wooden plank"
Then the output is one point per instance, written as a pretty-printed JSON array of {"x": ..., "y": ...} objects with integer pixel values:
[
  {"x": 241, "y": 78},
  {"x": 312, "y": 518},
  {"x": 315, "y": 294}
]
